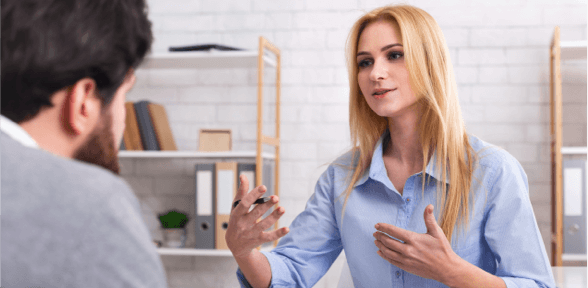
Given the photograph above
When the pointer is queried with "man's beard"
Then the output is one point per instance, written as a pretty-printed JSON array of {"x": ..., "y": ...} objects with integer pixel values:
[{"x": 100, "y": 148}]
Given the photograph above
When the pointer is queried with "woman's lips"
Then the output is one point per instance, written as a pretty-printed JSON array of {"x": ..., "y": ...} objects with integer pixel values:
[{"x": 380, "y": 96}]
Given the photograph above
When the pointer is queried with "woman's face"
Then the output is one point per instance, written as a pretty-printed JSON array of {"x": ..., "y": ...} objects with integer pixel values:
[{"x": 382, "y": 74}]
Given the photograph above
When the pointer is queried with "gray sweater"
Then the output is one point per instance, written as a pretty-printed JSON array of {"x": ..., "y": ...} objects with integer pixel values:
[{"x": 65, "y": 223}]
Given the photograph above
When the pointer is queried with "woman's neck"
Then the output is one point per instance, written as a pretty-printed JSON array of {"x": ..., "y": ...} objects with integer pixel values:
[{"x": 405, "y": 145}]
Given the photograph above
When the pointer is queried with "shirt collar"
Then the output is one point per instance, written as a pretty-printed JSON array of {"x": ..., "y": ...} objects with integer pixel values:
[
  {"x": 17, "y": 133},
  {"x": 377, "y": 164}
]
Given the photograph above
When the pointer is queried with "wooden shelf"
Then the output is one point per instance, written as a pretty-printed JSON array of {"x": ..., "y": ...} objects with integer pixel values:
[
  {"x": 574, "y": 150},
  {"x": 199, "y": 60},
  {"x": 201, "y": 252},
  {"x": 573, "y": 50},
  {"x": 193, "y": 154}
]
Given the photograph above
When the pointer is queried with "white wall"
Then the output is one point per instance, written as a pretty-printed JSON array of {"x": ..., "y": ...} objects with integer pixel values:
[{"x": 499, "y": 50}]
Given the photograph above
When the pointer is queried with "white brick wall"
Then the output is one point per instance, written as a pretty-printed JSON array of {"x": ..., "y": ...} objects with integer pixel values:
[{"x": 499, "y": 50}]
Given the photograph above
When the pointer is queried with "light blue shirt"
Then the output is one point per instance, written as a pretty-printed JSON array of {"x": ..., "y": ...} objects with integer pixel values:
[{"x": 503, "y": 238}]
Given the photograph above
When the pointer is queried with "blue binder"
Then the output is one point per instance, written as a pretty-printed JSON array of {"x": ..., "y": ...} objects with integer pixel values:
[{"x": 146, "y": 130}]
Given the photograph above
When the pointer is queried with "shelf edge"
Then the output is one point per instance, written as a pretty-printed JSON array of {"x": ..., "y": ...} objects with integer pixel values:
[
  {"x": 573, "y": 257},
  {"x": 574, "y": 44},
  {"x": 200, "y": 252},
  {"x": 191, "y": 154},
  {"x": 578, "y": 150}
]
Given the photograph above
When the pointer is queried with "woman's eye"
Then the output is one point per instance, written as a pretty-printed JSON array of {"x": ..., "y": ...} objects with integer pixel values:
[
  {"x": 395, "y": 55},
  {"x": 364, "y": 63}
]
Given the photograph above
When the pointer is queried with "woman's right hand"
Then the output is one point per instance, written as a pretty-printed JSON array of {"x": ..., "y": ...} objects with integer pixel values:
[{"x": 244, "y": 233}]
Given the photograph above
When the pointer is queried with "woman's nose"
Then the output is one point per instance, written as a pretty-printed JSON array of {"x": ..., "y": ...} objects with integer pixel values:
[{"x": 379, "y": 71}]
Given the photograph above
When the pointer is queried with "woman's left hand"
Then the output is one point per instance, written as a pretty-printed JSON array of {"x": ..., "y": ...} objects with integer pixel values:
[{"x": 427, "y": 255}]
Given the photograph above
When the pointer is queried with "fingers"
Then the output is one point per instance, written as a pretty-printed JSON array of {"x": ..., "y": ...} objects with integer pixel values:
[
  {"x": 398, "y": 233},
  {"x": 268, "y": 221},
  {"x": 243, "y": 186},
  {"x": 390, "y": 257},
  {"x": 274, "y": 235},
  {"x": 248, "y": 199},
  {"x": 260, "y": 209},
  {"x": 389, "y": 243},
  {"x": 389, "y": 249},
  {"x": 433, "y": 228}
]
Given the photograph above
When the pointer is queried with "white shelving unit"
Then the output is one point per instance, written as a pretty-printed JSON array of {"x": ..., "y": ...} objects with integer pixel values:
[
  {"x": 267, "y": 55},
  {"x": 560, "y": 51}
]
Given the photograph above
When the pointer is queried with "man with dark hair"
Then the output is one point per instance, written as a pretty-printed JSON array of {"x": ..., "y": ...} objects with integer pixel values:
[{"x": 68, "y": 220}]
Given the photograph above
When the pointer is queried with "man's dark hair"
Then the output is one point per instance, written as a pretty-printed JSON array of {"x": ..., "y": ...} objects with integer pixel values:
[{"x": 48, "y": 45}]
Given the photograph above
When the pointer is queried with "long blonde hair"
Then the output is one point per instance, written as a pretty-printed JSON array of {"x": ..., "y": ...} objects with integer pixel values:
[{"x": 441, "y": 126}]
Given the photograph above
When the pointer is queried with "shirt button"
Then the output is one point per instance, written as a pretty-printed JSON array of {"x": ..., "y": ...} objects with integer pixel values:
[
  {"x": 407, "y": 199},
  {"x": 397, "y": 274}
]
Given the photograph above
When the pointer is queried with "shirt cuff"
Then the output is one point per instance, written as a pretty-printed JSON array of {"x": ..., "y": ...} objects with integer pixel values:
[
  {"x": 242, "y": 279},
  {"x": 281, "y": 276},
  {"x": 511, "y": 283}
]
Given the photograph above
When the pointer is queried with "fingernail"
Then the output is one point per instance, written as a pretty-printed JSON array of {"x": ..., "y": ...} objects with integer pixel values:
[
  {"x": 281, "y": 210},
  {"x": 377, "y": 226}
]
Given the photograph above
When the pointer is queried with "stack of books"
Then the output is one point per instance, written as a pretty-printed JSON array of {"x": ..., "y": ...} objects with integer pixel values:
[{"x": 147, "y": 128}]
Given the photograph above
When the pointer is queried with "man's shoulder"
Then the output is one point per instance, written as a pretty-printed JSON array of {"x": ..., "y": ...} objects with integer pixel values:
[
  {"x": 47, "y": 176},
  {"x": 17, "y": 158},
  {"x": 54, "y": 204}
]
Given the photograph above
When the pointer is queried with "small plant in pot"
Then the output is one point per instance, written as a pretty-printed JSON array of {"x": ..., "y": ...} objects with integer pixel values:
[{"x": 174, "y": 228}]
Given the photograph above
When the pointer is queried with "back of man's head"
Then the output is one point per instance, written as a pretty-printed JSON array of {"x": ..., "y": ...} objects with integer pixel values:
[{"x": 48, "y": 45}]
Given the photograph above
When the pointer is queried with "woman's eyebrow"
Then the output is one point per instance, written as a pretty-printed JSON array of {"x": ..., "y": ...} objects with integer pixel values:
[{"x": 383, "y": 49}]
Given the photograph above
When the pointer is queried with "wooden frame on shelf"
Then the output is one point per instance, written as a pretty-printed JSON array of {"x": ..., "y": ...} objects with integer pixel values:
[
  {"x": 263, "y": 139},
  {"x": 556, "y": 143}
]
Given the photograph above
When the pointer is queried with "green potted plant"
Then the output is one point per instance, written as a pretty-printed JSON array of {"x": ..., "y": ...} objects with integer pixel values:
[{"x": 173, "y": 224}]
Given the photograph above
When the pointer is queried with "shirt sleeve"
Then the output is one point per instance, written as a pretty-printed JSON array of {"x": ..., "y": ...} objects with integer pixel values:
[
  {"x": 307, "y": 252},
  {"x": 511, "y": 230}
]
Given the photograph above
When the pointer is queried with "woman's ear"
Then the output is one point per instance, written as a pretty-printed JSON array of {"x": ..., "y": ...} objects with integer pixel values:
[{"x": 82, "y": 108}]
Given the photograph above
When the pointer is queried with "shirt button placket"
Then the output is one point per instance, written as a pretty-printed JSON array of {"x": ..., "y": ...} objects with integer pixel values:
[{"x": 396, "y": 279}]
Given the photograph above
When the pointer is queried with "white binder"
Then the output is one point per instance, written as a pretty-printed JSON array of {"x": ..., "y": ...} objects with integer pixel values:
[{"x": 226, "y": 188}]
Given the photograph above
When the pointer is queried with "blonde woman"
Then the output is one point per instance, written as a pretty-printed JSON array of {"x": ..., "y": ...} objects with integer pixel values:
[{"x": 425, "y": 204}]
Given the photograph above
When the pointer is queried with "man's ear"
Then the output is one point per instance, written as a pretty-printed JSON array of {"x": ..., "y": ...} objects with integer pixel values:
[{"x": 81, "y": 107}]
